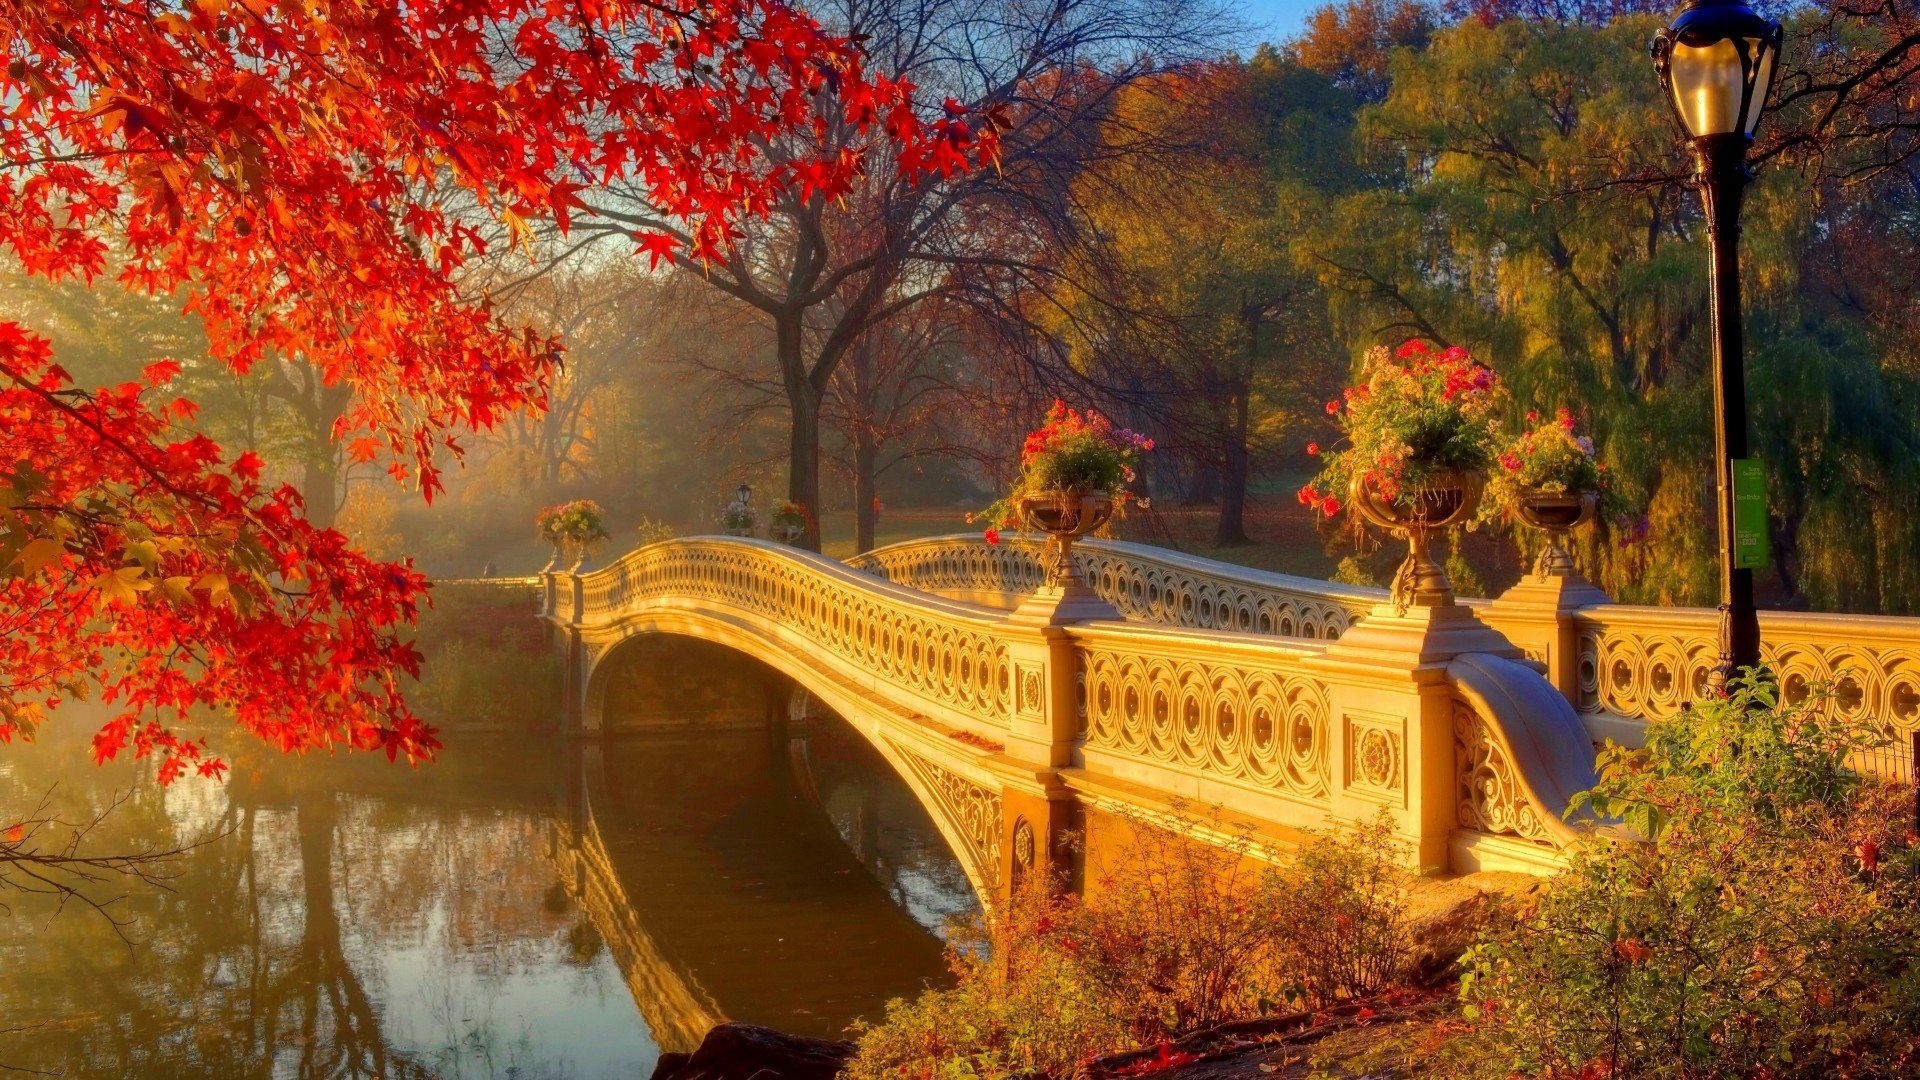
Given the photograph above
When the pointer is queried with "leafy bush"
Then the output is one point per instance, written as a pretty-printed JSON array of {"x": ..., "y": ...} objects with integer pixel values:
[
  {"x": 1179, "y": 936},
  {"x": 1345, "y": 898},
  {"x": 1768, "y": 926},
  {"x": 1021, "y": 1005}
]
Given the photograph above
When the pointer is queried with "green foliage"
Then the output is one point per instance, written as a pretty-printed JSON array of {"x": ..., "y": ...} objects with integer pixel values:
[
  {"x": 1352, "y": 571},
  {"x": 1023, "y": 1008},
  {"x": 1507, "y": 206},
  {"x": 1461, "y": 573},
  {"x": 1769, "y": 925}
]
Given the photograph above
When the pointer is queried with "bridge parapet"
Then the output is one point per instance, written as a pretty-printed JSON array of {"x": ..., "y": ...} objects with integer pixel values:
[
  {"x": 1421, "y": 715},
  {"x": 1144, "y": 583},
  {"x": 1618, "y": 665}
]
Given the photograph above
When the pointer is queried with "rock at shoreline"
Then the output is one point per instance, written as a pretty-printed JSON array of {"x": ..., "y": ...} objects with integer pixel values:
[{"x": 747, "y": 1052}]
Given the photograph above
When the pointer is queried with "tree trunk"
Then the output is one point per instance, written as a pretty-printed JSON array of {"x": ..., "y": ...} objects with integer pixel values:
[
  {"x": 320, "y": 486},
  {"x": 866, "y": 516},
  {"x": 1232, "y": 530},
  {"x": 803, "y": 444}
]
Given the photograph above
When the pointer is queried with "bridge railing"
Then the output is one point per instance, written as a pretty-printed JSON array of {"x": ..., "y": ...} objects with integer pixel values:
[
  {"x": 950, "y": 654},
  {"x": 1472, "y": 761},
  {"x": 1143, "y": 583},
  {"x": 1619, "y": 665}
]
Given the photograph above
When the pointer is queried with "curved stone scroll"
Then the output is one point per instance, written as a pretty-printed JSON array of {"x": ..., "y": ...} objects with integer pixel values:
[{"x": 1521, "y": 752}]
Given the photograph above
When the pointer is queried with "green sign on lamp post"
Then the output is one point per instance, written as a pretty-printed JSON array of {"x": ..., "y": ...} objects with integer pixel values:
[{"x": 1750, "y": 551}]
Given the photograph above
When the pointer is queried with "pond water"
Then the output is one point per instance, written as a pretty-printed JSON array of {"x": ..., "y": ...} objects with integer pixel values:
[{"x": 513, "y": 910}]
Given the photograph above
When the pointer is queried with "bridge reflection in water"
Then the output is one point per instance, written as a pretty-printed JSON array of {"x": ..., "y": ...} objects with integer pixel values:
[{"x": 773, "y": 872}]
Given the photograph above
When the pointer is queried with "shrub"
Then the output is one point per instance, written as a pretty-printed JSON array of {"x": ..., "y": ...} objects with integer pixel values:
[
  {"x": 1769, "y": 925},
  {"x": 1345, "y": 899},
  {"x": 1182, "y": 935},
  {"x": 1021, "y": 1005},
  {"x": 1178, "y": 937}
]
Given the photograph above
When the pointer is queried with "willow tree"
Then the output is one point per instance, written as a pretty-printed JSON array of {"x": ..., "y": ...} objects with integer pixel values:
[
  {"x": 1530, "y": 205},
  {"x": 1183, "y": 297}
]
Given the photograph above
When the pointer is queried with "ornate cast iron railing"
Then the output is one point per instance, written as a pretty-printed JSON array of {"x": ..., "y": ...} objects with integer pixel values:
[
  {"x": 945, "y": 651},
  {"x": 1629, "y": 664},
  {"x": 1281, "y": 728},
  {"x": 1143, "y": 583}
]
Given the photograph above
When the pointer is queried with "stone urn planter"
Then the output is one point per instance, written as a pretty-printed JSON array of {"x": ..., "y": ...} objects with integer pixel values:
[
  {"x": 1065, "y": 516},
  {"x": 1449, "y": 500},
  {"x": 1556, "y": 515},
  {"x": 554, "y": 562},
  {"x": 583, "y": 560}
]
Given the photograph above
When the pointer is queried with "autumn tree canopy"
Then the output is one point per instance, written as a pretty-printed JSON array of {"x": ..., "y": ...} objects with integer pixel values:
[{"x": 308, "y": 180}]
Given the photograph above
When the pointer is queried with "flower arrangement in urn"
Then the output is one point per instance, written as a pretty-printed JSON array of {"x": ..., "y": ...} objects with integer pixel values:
[
  {"x": 738, "y": 517},
  {"x": 787, "y": 521},
  {"x": 575, "y": 525},
  {"x": 1550, "y": 478},
  {"x": 1074, "y": 475},
  {"x": 1421, "y": 431}
]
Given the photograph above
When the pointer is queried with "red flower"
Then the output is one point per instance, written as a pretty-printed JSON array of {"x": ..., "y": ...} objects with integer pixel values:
[
  {"x": 1330, "y": 505},
  {"x": 1333, "y": 407},
  {"x": 1313, "y": 448},
  {"x": 992, "y": 535}
]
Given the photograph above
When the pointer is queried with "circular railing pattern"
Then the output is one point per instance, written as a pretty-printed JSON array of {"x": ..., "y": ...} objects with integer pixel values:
[
  {"x": 1143, "y": 586},
  {"x": 946, "y": 656},
  {"x": 1651, "y": 663},
  {"x": 1264, "y": 725}
]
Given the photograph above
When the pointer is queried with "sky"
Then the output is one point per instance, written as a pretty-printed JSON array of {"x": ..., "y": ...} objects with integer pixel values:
[{"x": 1274, "y": 20}]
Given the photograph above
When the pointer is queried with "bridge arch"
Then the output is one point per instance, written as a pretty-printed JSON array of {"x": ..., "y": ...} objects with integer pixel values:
[{"x": 964, "y": 803}]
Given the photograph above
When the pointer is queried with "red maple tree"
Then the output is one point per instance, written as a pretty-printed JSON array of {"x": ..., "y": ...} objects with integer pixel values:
[{"x": 309, "y": 178}]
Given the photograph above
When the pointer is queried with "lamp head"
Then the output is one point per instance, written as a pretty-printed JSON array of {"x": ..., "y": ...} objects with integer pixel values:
[{"x": 1717, "y": 63}]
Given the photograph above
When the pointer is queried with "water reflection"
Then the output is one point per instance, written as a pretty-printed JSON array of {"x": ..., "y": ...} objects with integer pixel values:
[{"x": 358, "y": 919}]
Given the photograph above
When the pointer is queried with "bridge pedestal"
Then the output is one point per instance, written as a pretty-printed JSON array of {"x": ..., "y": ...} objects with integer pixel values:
[
  {"x": 1538, "y": 615},
  {"x": 1393, "y": 712}
]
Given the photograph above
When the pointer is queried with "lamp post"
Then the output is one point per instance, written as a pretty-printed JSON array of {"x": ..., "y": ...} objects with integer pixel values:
[{"x": 1716, "y": 63}]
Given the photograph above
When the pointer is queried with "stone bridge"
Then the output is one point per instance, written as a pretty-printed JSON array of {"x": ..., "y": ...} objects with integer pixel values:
[{"x": 1287, "y": 703}]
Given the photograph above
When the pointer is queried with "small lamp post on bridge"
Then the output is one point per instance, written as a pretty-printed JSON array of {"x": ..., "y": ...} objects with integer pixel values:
[{"x": 1716, "y": 63}]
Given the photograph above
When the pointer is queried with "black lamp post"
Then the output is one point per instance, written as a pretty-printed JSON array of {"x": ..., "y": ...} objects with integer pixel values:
[{"x": 1716, "y": 62}]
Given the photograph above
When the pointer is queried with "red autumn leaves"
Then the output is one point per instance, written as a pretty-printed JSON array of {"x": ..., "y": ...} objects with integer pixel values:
[{"x": 310, "y": 180}]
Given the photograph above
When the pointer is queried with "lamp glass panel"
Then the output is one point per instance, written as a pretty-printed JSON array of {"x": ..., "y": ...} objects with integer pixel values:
[
  {"x": 1762, "y": 80},
  {"x": 1706, "y": 83}
]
